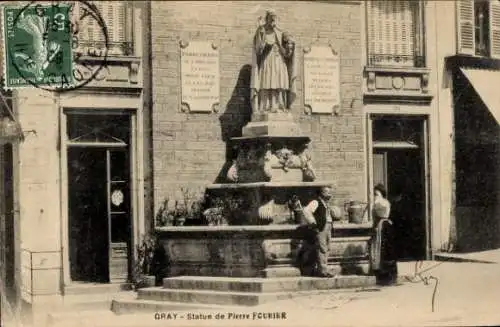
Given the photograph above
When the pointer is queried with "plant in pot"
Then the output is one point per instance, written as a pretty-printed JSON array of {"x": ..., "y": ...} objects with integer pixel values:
[
  {"x": 165, "y": 216},
  {"x": 188, "y": 211},
  {"x": 144, "y": 270}
]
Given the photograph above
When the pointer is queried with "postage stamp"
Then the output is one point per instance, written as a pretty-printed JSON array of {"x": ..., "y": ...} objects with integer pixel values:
[
  {"x": 38, "y": 46},
  {"x": 43, "y": 45}
]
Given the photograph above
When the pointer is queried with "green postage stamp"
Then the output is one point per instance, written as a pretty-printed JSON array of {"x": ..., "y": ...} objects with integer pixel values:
[{"x": 37, "y": 45}]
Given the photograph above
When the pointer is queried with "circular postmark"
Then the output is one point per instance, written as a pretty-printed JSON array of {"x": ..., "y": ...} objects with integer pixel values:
[{"x": 60, "y": 46}]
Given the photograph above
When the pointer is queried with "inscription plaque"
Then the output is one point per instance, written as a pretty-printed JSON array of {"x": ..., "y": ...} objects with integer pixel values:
[
  {"x": 321, "y": 80},
  {"x": 200, "y": 77}
]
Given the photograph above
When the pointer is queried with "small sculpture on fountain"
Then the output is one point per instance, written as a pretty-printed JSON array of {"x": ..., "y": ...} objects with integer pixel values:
[
  {"x": 307, "y": 167},
  {"x": 267, "y": 166},
  {"x": 232, "y": 173}
]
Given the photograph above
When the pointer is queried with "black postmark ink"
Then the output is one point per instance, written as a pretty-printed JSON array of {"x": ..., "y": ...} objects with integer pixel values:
[
  {"x": 419, "y": 277},
  {"x": 61, "y": 59}
]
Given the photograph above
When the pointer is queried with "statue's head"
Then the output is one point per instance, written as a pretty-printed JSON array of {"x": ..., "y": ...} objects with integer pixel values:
[{"x": 271, "y": 18}]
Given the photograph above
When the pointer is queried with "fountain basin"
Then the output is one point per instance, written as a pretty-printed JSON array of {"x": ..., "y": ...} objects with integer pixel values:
[{"x": 257, "y": 251}]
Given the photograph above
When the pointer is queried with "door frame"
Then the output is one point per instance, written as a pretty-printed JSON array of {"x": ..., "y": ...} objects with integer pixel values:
[
  {"x": 370, "y": 117},
  {"x": 136, "y": 180}
]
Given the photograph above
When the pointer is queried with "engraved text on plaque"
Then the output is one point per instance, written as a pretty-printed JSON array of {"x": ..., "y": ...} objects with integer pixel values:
[
  {"x": 321, "y": 80},
  {"x": 200, "y": 78}
]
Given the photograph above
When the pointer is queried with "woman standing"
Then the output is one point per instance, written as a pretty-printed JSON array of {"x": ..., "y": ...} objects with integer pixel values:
[{"x": 383, "y": 254}]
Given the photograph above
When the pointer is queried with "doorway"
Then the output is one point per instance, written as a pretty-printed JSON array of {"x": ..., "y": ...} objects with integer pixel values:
[
  {"x": 88, "y": 214},
  {"x": 99, "y": 209},
  {"x": 399, "y": 162}
]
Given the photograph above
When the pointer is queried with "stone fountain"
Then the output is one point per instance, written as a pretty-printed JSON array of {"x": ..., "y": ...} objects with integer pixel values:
[
  {"x": 254, "y": 258},
  {"x": 273, "y": 163},
  {"x": 255, "y": 261}
]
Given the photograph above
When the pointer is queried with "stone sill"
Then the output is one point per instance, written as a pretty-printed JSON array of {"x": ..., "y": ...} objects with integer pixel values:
[
  {"x": 256, "y": 228},
  {"x": 268, "y": 138},
  {"x": 105, "y": 89},
  {"x": 266, "y": 185},
  {"x": 390, "y": 97},
  {"x": 404, "y": 70},
  {"x": 111, "y": 59}
]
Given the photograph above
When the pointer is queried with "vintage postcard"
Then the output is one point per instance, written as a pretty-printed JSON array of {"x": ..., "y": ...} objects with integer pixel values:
[{"x": 249, "y": 163}]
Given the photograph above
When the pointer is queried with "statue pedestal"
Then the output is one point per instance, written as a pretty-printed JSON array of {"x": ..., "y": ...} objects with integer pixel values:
[{"x": 272, "y": 125}]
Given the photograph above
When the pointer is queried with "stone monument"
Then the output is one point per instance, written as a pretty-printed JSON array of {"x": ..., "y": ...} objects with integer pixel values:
[
  {"x": 273, "y": 160},
  {"x": 253, "y": 259},
  {"x": 272, "y": 166}
]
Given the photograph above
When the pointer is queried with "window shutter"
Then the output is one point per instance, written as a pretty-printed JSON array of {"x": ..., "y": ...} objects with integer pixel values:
[
  {"x": 114, "y": 14},
  {"x": 465, "y": 27},
  {"x": 495, "y": 29},
  {"x": 391, "y": 32},
  {"x": 103, "y": 8},
  {"x": 119, "y": 18}
]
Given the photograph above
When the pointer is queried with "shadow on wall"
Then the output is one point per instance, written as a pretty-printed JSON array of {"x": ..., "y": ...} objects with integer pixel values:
[
  {"x": 237, "y": 114},
  {"x": 477, "y": 229}
]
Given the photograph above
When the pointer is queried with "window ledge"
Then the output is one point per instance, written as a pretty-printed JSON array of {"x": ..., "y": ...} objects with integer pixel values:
[
  {"x": 117, "y": 71},
  {"x": 389, "y": 84},
  {"x": 111, "y": 59},
  {"x": 392, "y": 69}
]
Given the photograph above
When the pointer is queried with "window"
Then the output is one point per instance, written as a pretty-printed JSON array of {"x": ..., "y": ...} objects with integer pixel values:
[
  {"x": 395, "y": 33},
  {"x": 481, "y": 27},
  {"x": 118, "y": 22},
  {"x": 478, "y": 26}
]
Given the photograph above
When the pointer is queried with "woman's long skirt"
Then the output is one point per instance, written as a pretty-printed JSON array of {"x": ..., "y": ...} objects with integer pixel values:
[{"x": 384, "y": 258}]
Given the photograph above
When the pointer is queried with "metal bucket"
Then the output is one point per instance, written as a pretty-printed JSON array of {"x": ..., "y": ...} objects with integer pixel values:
[{"x": 356, "y": 211}]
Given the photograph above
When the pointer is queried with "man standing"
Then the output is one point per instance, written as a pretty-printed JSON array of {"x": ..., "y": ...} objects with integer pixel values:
[{"x": 319, "y": 216}]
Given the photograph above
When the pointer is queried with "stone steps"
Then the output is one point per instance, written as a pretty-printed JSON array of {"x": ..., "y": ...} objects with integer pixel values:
[
  {"x": 264, "y": 285},
  {"x": 203, "y": 292},
  {"x": 121, "y": 307},
  {"x": 212, "y": 297}
]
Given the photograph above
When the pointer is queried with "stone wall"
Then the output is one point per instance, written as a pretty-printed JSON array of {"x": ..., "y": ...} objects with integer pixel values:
[{"x": 189, "y": 149}]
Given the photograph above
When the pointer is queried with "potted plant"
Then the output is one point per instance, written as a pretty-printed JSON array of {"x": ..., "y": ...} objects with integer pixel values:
[
  {"x": 188, "y": 211},
  {"x": 165, "y": 216},
  {"x": 144, "y": 271}
]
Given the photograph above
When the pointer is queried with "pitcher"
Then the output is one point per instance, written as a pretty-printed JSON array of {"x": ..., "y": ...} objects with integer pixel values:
[{"x": 356, "y": 211}]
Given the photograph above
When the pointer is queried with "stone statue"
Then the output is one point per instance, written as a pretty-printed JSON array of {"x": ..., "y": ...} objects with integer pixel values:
[{"x": 273, "y": 67}]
